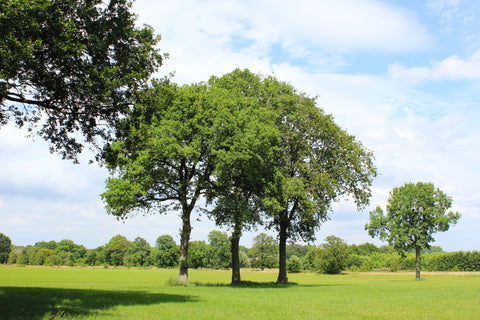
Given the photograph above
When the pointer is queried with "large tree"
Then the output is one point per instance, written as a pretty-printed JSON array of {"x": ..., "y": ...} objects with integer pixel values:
[
  {"x": 316, "y": 163},
  {"x": 414, "y": 213},
  {"x": 162, "y": 157},
  {"x": 71, "y": 66},
  {"x": 244, "y": 140}
]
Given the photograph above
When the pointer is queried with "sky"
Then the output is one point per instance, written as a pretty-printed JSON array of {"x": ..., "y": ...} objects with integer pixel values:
[{"x": 402, "y": 76}]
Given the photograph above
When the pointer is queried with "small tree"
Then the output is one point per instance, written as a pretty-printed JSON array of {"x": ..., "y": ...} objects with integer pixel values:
[
  {"x": 294, "y": 264},
  {"x": 166, "y": 253},
  {"x": 333, "y": 255},
  {"x": 116, "y": 250},
  {"x": 138, "y": 253},
  {"x": 264, "y": 251},
  {"x": 414, "y": 213}
]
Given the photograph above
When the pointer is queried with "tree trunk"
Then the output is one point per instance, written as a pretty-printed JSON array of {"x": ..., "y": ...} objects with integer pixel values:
[
  {"x": 417, "y": 264},
  {"x": 282, "y": 254},
  {"x": 184, "y": 242},
  {"x": 237, "y": 233}
]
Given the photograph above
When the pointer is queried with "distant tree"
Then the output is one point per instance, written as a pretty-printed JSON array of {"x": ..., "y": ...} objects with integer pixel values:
[
  {"x": 198, "y": 254},
  {"x": 40, "y": 256},
  {"x": 414, "y": 213},
  {"x": 70, "y": 252},
  {"x": 218, "y": 254},
  {"x": 138, "y": 253},
  {"x": 116, "y": 250},
  {"x": 166, "y": 252},
  {"x": 5, "y": 248},
  {"x": 333, "y": 255},
  {"x": 264, "y": 251},
  {"x": 73, "y": 66},
  {"x": 294, "y": 264},
  {"x": 95, "y": 257}
]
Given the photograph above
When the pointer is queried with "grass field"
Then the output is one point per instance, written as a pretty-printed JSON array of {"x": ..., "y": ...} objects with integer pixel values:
[{"x": 86, "y": 293}]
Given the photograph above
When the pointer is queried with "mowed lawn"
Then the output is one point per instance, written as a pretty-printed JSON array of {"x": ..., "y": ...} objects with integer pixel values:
[{"x": 87, "y": 293}]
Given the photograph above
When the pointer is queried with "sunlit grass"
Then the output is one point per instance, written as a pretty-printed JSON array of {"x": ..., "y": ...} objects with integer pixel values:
[{"x": 86, "y": 293}]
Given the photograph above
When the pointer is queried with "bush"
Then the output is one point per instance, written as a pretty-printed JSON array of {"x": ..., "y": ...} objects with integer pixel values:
[{"x": 294, "y": 265}]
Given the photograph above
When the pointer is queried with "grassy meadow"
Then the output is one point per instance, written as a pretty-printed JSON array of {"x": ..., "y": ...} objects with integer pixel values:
[{"x": 88, "y": 293}]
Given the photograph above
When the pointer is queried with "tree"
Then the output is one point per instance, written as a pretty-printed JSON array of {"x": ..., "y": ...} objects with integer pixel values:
[
  {"x": 5, "y": 248},
  {"x": 264, "y": 251},
  {"x": 218, "y": 253},
  {"x": 414, "y": 213},
  {"x": 333, "y": 255},
  {"x": 162, "y": 158},
  {"x": 138, "y": 253},
  {"x": 294, "y": 264},
  {"x": 73, "y": 66},
  {"x": 198, "y": 254},
  {"x": 166, "y": 252},
  {"x": 243, "y": 141},
  {"x": 116, "y": 250},
  {"x": 316, "y": 163}
]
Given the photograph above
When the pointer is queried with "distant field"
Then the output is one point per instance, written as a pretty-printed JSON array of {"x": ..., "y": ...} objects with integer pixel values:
[{"x": 86, "y": 293}]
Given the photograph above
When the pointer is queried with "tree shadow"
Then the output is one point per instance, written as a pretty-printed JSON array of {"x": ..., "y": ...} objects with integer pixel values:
[
  {"x": 36, "y": 303},
  {"x": 248, "y": 284}
]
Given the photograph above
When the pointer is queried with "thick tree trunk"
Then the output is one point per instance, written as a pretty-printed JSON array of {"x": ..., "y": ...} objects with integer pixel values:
[
  {"x": 235, "y": 260},
  {"x": 237, "y": 233},
  {"x": 282, "y": 253},
  {"x": 184, "y": 242},
  {"x": 417, "y": 264}
]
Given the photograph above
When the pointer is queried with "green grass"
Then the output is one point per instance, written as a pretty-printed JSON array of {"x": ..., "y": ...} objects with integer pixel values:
[{"x": 86, "y": 293}]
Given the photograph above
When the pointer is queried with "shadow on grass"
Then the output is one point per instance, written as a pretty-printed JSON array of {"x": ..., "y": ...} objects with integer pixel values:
[
  {"x": 247, "y": 284},
  {"x": 37, "y": 303}
]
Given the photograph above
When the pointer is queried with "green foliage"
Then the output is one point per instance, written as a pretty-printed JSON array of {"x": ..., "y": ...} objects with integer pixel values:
[
  {"x": 294, "y": 264},
  {"x": 198, "y": 254},
  {"x": 333, "y": 255},
  {"x": 264, "y": 252},
  {"x": 166, "y": 252},
  {"x": 218, "y": 253},
  {"x": 138, "y": 253},
  {"x": 76, "y": 65},
  {"x": 116, "y": 250},
  {"x": 5, "y": 248}
]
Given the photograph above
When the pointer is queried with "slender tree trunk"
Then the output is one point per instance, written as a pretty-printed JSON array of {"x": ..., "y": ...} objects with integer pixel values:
[
  {"x": 417, "y": 264},
  {"x": 282, "y": 252},
  {"x": 184, "y": 242}
]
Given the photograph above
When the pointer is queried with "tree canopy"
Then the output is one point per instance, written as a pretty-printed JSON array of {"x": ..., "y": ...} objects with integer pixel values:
[
  {"x": 414, "y": 213},
  {"x": 71, "y": 66}
]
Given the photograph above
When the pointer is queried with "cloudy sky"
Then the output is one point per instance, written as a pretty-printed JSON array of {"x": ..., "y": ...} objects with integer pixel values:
[{"x": 402, "y": 76}]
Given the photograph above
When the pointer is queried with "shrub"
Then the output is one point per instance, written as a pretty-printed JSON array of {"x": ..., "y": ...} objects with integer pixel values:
[{"x": 294, "y": 265}]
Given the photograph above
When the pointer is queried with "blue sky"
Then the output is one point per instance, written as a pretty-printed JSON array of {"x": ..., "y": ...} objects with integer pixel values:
[{"x": 402, "y": 76}]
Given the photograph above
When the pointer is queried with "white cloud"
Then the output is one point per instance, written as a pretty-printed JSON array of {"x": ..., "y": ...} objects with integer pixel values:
[
  {"x": 451, "y": 68},
  {"x": 200, "y": 35}
]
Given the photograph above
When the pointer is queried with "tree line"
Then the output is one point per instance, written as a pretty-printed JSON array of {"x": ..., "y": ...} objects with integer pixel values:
[{"x": 333, "y": 256}]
